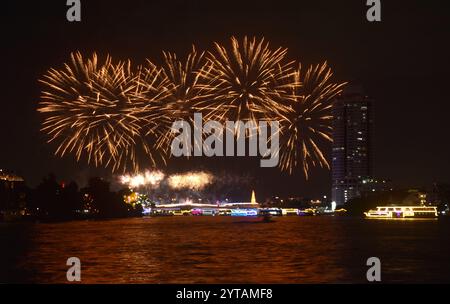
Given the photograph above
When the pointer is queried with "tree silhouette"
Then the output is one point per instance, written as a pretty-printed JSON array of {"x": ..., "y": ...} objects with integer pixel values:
[{"x": 109, "y": 204}]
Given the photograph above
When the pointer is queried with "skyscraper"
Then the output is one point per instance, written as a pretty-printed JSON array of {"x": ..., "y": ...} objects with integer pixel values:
[{"x": 352, "y": 153}]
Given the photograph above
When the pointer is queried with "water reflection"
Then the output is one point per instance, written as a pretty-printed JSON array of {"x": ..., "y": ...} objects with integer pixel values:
[{"x": 226, "y": 250}]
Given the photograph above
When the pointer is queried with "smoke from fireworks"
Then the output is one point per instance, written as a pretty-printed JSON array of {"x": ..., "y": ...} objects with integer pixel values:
[
  {"x": 153, "y": 179},
  {"x": 309, "y": 121}
]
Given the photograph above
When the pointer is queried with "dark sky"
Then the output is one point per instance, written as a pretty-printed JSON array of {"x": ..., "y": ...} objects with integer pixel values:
[{"x": 403, "y": 63}]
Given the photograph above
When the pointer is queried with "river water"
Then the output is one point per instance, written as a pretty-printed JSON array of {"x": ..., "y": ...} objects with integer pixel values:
[{"x": 227, "y": 250}]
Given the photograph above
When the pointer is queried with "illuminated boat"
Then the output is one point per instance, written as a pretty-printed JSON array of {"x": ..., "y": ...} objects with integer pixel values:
[
  {"x": 244, "y": 212},
  {"x": 402, "y": 212}
]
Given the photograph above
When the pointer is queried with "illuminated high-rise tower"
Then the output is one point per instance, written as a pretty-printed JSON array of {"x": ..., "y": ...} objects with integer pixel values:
[{"x": 352, "y": 153}]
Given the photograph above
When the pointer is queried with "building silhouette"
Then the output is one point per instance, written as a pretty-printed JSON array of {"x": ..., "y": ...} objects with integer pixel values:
[
  {"x": 11, "y": 190},
  {"x": 352, "y": 149}
]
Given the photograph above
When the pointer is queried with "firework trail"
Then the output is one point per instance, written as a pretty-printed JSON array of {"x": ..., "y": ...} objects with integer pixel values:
[
  {"x": 90, "y": 109},
  {"x": 308, "y": 123}
]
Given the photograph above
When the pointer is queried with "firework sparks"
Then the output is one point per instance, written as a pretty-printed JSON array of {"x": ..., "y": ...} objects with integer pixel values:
[
  {"x": 309, "y": 121},
  {"x": 191, "y": 180},
  {"x": 249, "y": 80},
  {"x": 188, "y": 88},
  {"x": 116, "y": 116},
  {"x": 148, "y": 178},
  {"x": 187, "y": 91},
  {"x": 90, "y": 110},
  {"x": 152, "y": 91}
]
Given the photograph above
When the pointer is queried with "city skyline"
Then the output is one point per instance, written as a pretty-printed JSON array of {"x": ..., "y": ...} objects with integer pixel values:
[{"x": 410, "y": 131}]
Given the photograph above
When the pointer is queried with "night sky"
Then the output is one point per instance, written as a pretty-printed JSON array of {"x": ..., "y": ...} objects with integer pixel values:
[{"x": 402, "y": 62}]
